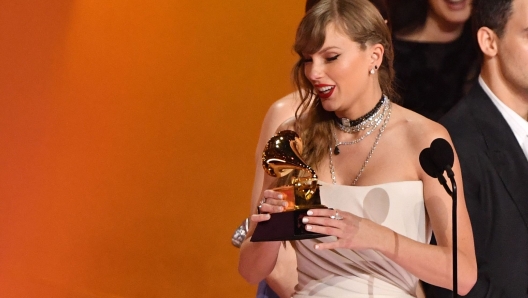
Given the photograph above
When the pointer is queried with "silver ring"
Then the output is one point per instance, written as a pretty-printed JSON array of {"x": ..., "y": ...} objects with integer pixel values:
[
  {"x": 258, "y": 209},
  {"x": 336, "y": 216}
]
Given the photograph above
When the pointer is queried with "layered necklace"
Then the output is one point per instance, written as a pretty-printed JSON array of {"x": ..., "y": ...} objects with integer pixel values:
[
  {"x": 370, "y": 121},
  {"x": 371, "y": 118},
  {"x": 379, "y": 115}
]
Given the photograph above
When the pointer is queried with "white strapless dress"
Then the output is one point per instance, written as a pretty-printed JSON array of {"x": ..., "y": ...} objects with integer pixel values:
[{"x": 366, "y": 273}]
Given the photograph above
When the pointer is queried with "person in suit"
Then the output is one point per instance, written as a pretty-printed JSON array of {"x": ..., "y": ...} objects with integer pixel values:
[{"x": 489, "y": 130}]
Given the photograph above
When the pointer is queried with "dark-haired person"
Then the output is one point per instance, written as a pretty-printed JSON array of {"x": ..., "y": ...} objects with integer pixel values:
[
  {"x": 435, "y": 57},
  {"x": 489, "y": 129},
  {"x": 384, "y": 205}
]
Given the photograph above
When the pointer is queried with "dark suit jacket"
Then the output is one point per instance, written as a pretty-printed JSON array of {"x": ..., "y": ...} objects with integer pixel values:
[{"x": 495, "y": 176}]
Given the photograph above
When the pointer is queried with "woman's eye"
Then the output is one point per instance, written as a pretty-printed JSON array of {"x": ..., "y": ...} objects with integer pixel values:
[{"x": 333, "y": 58}]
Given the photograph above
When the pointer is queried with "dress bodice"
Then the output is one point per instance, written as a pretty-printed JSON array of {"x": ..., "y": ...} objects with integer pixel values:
[{"x": 366, "y": 273}]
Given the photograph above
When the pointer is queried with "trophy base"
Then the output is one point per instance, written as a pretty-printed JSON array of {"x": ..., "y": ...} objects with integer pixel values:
[{"x": 284, "y": 226}]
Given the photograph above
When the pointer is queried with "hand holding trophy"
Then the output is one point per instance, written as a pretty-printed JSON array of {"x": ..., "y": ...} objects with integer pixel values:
[{"x": 281, "y": 156}]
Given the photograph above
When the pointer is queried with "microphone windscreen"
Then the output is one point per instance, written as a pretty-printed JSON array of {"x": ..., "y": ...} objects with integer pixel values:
[
  {"x": 442, "y": 153},
  {"x": 426, "y": 161}
]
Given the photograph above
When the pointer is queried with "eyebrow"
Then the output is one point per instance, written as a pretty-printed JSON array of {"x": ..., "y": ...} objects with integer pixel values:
[
  {"x": 322, "y": 50},
  {"x": 327, "y": 48}
]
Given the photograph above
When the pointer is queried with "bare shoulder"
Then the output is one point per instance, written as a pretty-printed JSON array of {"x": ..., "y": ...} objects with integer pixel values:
[
  {"x": 280, "y": 111},
  {"x": 284, "y": 108},
  {"x": 417, "y": 131}
]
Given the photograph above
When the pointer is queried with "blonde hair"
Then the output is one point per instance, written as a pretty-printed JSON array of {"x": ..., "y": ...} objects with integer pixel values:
[{"x": 362, "y": 22}]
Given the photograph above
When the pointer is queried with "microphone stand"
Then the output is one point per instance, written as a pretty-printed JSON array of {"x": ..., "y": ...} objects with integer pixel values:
[
  {"x": 453, "y": 193},
  {"x": 436, "y": 160}
]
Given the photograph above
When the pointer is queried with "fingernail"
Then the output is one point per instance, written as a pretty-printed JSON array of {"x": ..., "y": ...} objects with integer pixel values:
[
  {"x": 305, "y": 219},
  {"x": 268, "y": 216},
  {"x": 279, "y": 196},
  {"x": 310, "y": 212},
  {"x": 281, "y": 208},
  {"x": 285, "y": 204},
  {"x": 308, "y": 227}
]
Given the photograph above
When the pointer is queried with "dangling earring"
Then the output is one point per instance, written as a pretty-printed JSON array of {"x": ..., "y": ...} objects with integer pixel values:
[{"x": 373, "y": 71}]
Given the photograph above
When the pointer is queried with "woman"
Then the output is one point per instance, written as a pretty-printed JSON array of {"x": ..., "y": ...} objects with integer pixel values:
[
  {"x": 284, "y": 277},
  {"x": 379, "y": 250},
  {"x": 435, "y": 56}
]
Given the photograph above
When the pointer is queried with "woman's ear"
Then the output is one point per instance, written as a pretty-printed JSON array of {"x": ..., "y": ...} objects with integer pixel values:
[
  {"x": 376, "y": 55},
  {"x": 487, "y": 41}
]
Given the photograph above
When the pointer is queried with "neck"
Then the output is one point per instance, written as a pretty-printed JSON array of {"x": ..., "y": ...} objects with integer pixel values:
[
  {"x": 346, "y": 123},
  {"x": 512, "y": 95},
  {"x": 435, "y": 29},
  {"x": 360, "y": 107}
]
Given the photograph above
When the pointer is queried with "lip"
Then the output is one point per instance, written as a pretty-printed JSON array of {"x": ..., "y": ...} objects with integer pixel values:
[
  {"x": 326, "y": 94},
  {"x": 456, "y": 5}
]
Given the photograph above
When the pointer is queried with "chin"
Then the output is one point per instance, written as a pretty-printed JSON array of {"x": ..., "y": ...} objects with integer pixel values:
[
  {"x": 459, "y": 18},
  {"x": 327, "y": 105}
]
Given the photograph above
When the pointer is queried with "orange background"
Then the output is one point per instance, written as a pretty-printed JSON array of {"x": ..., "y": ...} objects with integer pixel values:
[{"x": 127, "y": 135}]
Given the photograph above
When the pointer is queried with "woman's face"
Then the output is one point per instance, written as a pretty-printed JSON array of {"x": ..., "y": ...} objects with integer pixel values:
[
  {"x": 451, "y": 11},
  {"x": 339, "y": 71}
]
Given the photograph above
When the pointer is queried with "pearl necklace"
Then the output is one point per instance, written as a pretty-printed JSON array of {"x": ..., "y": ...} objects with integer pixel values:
[{"x": 386, "y": 111}]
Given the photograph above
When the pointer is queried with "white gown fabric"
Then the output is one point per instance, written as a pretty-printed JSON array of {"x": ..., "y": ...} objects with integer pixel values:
[{"x": 367, "y": 273}]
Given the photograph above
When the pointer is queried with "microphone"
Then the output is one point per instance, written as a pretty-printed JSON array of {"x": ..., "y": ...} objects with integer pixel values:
[
  {"x": 443, "y": 155},
  {"x": 436, "y": 160},
  {"x": 426, "y": 161}
]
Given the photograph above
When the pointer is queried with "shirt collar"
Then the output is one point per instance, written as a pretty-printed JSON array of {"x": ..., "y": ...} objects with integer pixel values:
[{"x": 518, "y": 125}]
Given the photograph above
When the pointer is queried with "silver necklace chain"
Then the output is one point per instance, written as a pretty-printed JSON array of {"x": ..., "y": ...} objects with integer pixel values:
[
  {"x": 371, "y": 121},
  {"x": 386, "y": 111},
  {"x": 376, "y": 124}
]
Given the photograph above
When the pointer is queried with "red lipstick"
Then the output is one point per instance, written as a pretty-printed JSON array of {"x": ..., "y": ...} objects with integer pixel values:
[{"x": 324, "y": 91}]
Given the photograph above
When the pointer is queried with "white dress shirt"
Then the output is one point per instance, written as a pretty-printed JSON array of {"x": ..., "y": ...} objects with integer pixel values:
[{"x": 518, "y": 124}]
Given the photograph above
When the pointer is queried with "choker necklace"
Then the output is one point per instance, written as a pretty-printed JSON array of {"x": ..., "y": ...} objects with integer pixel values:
[
  {"x": 372, "y": 118},
  {"x": 381, "y": 130},
  {"x": 373, "y": 124}
]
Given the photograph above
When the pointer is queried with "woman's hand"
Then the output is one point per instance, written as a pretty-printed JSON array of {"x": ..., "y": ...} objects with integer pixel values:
[
  {"x": 272, "y": 202},
  {"x": 352, "y": 232}
]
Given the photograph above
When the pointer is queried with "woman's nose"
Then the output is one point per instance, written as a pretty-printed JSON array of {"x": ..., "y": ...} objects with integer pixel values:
[{"x": 314, "y": 71}]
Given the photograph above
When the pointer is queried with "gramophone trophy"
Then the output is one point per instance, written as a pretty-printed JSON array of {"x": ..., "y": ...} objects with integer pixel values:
[{"x": 281, "y": 156}]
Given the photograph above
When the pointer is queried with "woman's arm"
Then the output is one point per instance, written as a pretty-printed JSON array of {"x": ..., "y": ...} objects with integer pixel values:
[
  {"x": 274, "y": 262},
  {"x": 283, "y": 278},
  {"x": 258, "y": 259},
  {"x": 431, "y": 263}
]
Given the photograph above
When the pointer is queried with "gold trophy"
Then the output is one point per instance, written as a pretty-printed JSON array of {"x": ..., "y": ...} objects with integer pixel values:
[{"x": 281, "y": 156}]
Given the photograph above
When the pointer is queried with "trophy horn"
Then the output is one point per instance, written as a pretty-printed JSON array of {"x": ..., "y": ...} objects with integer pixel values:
[{"x": 282, "y": 155}]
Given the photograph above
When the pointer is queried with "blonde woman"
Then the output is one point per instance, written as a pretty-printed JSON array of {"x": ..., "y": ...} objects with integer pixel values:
[{"x": 384, "y": 205}]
